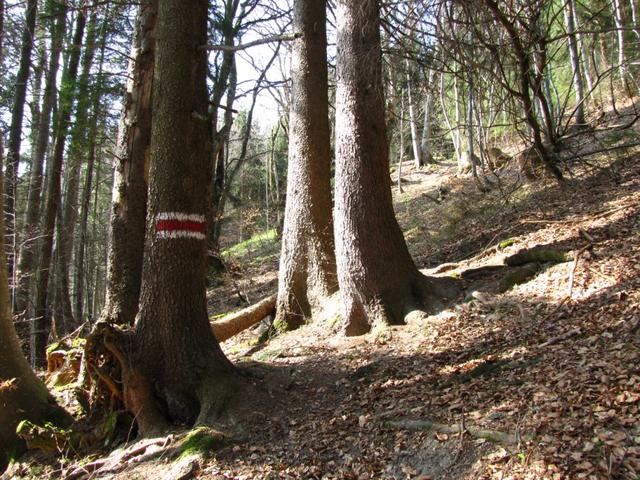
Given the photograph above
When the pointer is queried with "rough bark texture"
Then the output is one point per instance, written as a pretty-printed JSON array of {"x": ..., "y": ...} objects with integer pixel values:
[
  {"x": 78, "y": 144},
  {"x": 15, "y": 130},
  {"x": 129, "y": 202},
  {"x": 22, "y": 394},
  {"x": 28, "y": 252},
  {"x": 378, "y": 279},
  {"x": 177, "y": 358},
  {"x": 307, "y": 261},
  {"x": 42, "y": 323}
]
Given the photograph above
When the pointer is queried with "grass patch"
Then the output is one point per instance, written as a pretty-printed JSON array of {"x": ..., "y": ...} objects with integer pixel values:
[{"x": 255, "y": 244}]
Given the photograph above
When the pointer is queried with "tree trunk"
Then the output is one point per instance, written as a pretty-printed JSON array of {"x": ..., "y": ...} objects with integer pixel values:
[
  {"x": 15, "y": 129},
  {"x": 28, "y": 252},
  {"x": 42, "y": 322},
  {"x": 78, "y": 146},
  {"x": 307, "y": 272},
  {"x": 575, "y": 61},
  {"x": 425, "y": 142},
  {"x": 22, "y": 395},
  {"x": 177, "y": 361},
  {"x": 129, "y": 203},
  {"x": 413, "y": 123},
  {"x": 378, "y": 280},
  {"x": 618, "y": 18}
]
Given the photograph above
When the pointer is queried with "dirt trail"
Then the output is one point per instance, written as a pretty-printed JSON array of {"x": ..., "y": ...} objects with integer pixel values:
[{"x": 552, "y": 364}]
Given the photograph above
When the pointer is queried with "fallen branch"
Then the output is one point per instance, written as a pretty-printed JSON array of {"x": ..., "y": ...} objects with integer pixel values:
[
  {"x": 560, "y": 338},
  {"x": 490, "y": 435},
  {"x": 237, "y": 322}
]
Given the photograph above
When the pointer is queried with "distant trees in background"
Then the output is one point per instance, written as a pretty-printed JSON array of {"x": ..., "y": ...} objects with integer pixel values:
[{"x": 459, "y": 78}]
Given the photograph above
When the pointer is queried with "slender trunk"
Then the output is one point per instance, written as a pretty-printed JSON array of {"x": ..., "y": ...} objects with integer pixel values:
[
  {"x": 42, "y": 322},
  {"x": 425, "y": 142},
  {"x": 413, "y": 122},
  {"x": 28, "y": 251},
  {"x": 129, "y": 202},
  {"x": 618, "y": 17},
  {"x": 583, "y": 50},
  {"x": 85, "y": 198},
  {"x": 307, "y": 262},
  {"x": 526, "y": 84},
  {"x": 401, "y": 141},
  {"x": 15, "y": 130},
  {"x": 569, "y": 21},
  {"x": 22, "y": 395},
  {"x": 78, "y": 140},
  {"x": 454, "y": 141}
]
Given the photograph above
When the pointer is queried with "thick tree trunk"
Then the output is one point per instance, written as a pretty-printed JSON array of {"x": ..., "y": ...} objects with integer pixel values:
[
  {"x": 378, "y": 280},
  {"x": 42, "y": 322},
  {"x": 176, "y": 358},
  {"x": 129, "y": 203},
  {"x": 307, "y": 261},
  {"x": 15, "y": 129},
  {"x": 28, "y": 252}
]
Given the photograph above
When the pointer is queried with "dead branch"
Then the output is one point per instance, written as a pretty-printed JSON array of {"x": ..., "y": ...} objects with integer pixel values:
[
  {"x": 237, "y": 322},
  {"x": 427, "y": 425},
  {"x": 244, "y": 46},
  {"x": 560, "y": 338}
]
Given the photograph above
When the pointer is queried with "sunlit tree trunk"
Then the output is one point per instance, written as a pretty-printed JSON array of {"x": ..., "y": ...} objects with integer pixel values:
[
  {"x": 569, "y": 21},
  {"x": 15, "y": 129},
  {"x": 378, "y": 280},
  {"x": 42, "y": 322},
  {"x": 307, "y": 272},
  {"x": 129, "y": 201}
]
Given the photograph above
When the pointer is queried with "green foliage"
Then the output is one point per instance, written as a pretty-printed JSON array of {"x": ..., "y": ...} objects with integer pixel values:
[{"x": 257, "y": 242}]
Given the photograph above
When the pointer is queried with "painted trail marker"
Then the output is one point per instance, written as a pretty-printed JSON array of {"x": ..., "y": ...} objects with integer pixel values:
[{"x": 180, "y": 225}]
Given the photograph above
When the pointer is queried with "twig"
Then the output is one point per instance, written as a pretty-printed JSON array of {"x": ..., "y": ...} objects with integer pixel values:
[
  {"x": 426, "y": 425},
  {"x": 572, "y": 275},
  {"x": 244, "y": 46},
  {"x": 560, "y": 338}
]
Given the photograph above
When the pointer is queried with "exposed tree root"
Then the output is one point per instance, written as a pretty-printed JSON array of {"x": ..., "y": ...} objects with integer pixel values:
[
  {"x": 237, "y": 322},
  {"x": 490, "y": 435}
]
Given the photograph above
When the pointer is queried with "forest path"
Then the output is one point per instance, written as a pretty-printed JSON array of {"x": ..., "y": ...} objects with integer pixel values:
[
  {"x": 542, "y": 379},
  {"x": 552, "y": 362}
]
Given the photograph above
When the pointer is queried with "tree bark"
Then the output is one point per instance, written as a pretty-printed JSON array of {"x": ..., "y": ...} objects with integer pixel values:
[
  {"x": 129, "y": 202},
  {"x": 378, "y": 280},
  {"x": 307, "y": 272},
  {"x": 578, "y": 87},
  {"x": 78, "y": 147},
  {"x": 28, "y": 252},
  {"x": 15, "y": 129},
  {"x": 42, "y": 322},
  {"x": 176, "y": 358},
  {"x": 22, "y": 395},
  {"x": 235, "y": 323}
]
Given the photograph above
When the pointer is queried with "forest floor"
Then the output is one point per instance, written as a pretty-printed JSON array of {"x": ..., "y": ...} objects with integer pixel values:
[{"x": 541, "y": 381}]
